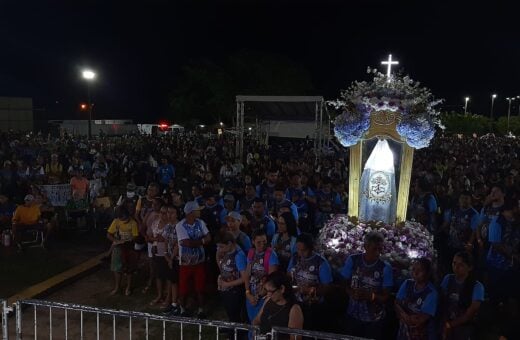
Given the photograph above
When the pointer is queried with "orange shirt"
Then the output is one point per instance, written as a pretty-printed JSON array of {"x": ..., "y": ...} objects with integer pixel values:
[{"x": 79, "y": 186}]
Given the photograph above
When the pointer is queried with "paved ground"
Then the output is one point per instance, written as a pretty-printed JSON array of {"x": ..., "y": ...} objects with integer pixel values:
[
  {"x": 21, "y": 270},
  {"x": 93, "y": 290}
]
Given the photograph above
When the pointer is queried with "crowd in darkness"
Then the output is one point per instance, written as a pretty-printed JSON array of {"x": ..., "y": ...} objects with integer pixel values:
[{"x": 205, "y": 221}]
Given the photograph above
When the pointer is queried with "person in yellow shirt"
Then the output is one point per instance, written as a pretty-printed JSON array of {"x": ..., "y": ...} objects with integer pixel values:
[
  {"x": 122, "y": 233},
  {"x": 27, "y": 216}
]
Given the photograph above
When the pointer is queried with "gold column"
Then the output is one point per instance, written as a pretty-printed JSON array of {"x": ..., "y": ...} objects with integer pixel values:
[
  {"x": 354, "y": 179},
  {"x": 404, "y": 183}
]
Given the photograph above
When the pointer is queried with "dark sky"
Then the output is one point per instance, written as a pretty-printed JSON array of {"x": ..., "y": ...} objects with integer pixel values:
[{"x": 139, "y": 49}]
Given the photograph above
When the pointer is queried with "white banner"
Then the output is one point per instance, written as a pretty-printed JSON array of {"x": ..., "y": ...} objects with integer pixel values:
[{"x": 58, "y": 195}]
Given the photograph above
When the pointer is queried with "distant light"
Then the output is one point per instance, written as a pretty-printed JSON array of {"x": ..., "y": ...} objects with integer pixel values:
[
  {"x": 163, "y": 125},
  {"x": 88, "y": 74},
  {"x": 221, "y": 124},
  {"x": 202, "y": 126},
  {"x": 250, "y": 128},
  {"x": 494, "y": 95},
  {"x": 467, "y": 98},
  {"x": 83, "y": 106}
]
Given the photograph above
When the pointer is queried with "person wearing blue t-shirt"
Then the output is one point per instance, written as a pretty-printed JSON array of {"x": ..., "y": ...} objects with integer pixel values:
[
  {"x": 284, "y": 241},
  {"x": 416, "y": 304},
  {"x": 328, "y": 201},
  {"x": 233, "y": 221},
  {"x": 423, "y": 205},
  {"x": 165, "y": 172},
  {"x": 489, "y": 216},
  {"x": 462, "y": 295},
  {"x": 265, "y": 190},
  {"x": 261, "y": 220},
  {"x": 499, "y": 261},
  {"x": 368, "y": 283},
  {"x": 232, "y": 263},
  {"x": 261, "y": 261},
  {"x": 312, "y": 274},
  {"x": 281, "y": 204},
  {"x": 460, "y": 225}
]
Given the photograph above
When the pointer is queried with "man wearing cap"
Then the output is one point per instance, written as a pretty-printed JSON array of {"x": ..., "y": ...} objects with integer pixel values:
[
  {"x": 192, "y": 235},
  {"x": 26, "y": 216},
  {"x": 233, "y": 221}
]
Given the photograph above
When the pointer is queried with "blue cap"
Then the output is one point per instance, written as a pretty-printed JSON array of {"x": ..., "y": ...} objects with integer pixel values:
[{"x": 190, "y": 207}]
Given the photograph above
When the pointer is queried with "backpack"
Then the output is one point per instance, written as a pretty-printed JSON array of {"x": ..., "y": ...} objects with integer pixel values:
[{"x": 267, "y": 255}]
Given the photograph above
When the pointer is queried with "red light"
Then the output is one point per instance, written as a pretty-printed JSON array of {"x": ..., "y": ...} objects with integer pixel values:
[
  {"x": 164, "y": 126},
  {"x": 83, "y": 106}
]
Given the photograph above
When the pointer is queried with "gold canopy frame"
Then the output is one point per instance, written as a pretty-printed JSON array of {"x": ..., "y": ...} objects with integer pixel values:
[{"x": 382, "y": 124}]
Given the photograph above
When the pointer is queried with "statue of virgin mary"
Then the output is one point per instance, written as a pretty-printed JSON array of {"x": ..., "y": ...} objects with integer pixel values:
[{"x": 378, "y": 193}]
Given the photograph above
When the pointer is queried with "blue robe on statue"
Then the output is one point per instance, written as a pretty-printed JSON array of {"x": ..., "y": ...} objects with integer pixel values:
[{"x": 377, "y": 188}]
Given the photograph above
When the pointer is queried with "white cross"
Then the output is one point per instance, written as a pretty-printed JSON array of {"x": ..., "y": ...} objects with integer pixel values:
[{"x": 389, "y": 64}]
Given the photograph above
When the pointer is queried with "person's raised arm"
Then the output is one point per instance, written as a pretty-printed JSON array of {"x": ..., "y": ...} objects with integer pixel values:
[{"x": 295, "y": 320}]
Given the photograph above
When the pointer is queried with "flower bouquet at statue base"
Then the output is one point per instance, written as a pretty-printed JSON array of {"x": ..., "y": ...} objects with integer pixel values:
[{"x": 343, "y": 236}]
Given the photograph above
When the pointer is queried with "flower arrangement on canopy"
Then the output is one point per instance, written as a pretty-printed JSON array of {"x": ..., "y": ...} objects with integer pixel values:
[
  {"x": 342, "y": 237},
  {"x": 415, "y": 104}
]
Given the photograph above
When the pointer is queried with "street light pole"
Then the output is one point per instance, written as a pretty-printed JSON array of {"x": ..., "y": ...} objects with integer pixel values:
[
  {"x": 89, "y": 112},
  {"x": 493, "y": 97},
  {"x": 466, "y": 100},
  {"x": 509, "y": 112},
  {"x": 89, "y": 76}
]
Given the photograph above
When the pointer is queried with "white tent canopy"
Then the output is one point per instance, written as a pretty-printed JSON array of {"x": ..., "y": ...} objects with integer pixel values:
[
  {"x": 280, "y": 108},
  {"x": 286, "y": 99}
]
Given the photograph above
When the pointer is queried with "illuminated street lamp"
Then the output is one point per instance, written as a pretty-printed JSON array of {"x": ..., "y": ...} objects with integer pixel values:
[
  {"x": 89, "y": 76},
  {"x": 466, "y": 100},
  {"x": 493, "y": 97}
]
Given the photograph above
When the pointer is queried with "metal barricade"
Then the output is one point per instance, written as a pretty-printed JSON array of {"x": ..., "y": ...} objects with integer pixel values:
[
  {"x": 304, "y": 334},
  {"x": 5, "y": 322},
  {"x": 75, "y": 326}
]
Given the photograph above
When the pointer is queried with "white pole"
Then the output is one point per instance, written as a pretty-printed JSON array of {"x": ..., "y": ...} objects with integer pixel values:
[{"x": 492, "y": 105}]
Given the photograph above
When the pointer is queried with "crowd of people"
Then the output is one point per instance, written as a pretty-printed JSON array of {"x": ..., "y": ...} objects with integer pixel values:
[{"x": 203, "y": 221}]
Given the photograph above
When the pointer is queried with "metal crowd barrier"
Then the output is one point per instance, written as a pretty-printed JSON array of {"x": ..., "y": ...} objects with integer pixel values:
[
  {"x": 305, "y": 334},
  {"x": 5, "y": 322},
  {"x": 180, "y": 324},
  {"x": 61, "y": 315}
]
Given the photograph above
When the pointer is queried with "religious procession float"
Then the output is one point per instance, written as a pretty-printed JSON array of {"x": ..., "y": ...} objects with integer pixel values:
[{"x": 382, "y": 121}]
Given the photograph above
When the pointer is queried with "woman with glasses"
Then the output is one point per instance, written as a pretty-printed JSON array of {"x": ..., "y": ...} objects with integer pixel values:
[{"x": 280, "y": 308}]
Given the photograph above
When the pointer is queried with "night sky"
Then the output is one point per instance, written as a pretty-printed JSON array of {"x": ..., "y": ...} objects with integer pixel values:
[{"x": 139, "y": 49}]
